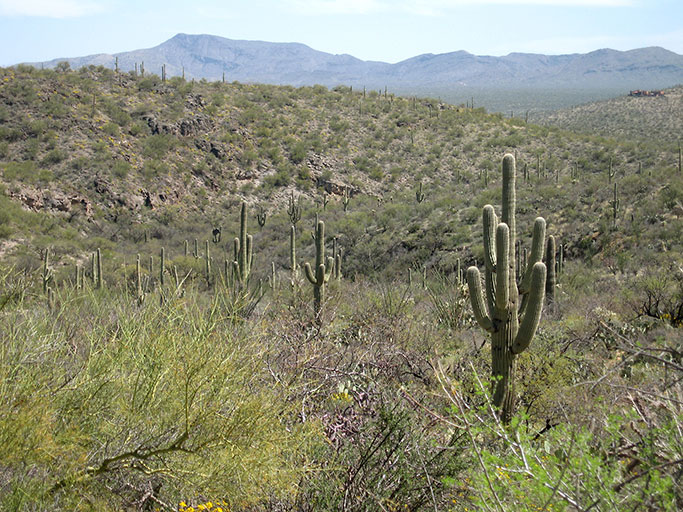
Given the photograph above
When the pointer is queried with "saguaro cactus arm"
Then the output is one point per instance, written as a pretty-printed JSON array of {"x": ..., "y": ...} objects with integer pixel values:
[
  {"x": 477, "y": 298},
  {"x": 536, "y": 255},
  {"x": 490, "y": 221},
  {"x": 534, "y": 306}
]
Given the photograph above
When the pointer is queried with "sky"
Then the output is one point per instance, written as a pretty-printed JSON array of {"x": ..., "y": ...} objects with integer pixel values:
[{"x": 384, "y": 30}]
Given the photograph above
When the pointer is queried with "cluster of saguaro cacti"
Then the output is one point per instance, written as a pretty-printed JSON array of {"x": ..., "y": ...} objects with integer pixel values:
[
  {"x": 243, "y": 251},
  {"x": 323, "y": 270},
  {"x": 510, "y": 313}
]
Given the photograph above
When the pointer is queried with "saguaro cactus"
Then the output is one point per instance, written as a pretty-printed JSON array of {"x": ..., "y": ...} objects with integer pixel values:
[
  {"x": 243, "y": 253},
  {"x": 419, "y": 195},
  {"x": 323, "y": 270},
  {"x": 261, "y": 216},
  {"x": 294, "y": 209},
  {"x": 139, "y": 293},
  {"x": 550, "y": 281},
  {"x": 207, "y": 262},
  {"x": 337, "y": 255},
  {"x": 162, "y": 267},
  {"x": 509, "y": 313},
  {"x": 99, "y": 283},
  {"x": 292, "y": 255},
  {"x": 47, "y": 275},
  {"x": 615, "y": 205}
]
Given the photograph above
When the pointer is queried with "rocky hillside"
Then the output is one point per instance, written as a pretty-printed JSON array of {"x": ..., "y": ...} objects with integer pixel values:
[
  {"x": 626, "y": 117},
  {"x": 95, "y": 158}
]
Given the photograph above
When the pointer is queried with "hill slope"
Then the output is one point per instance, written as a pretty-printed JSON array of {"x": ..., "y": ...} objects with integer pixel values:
[
  {"x": 626, "y": 117},
  {"x": 94, "y": 157}
]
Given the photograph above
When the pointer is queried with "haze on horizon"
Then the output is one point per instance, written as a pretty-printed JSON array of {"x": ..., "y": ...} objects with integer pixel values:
[{"x": 384, "y": 30}]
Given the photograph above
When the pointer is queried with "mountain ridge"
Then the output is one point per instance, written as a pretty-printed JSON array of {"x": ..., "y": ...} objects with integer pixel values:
[{"x": 216, "y": 58}]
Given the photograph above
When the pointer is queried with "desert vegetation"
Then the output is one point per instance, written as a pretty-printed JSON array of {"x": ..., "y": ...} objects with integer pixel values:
[{"x": 244, "y": 297}]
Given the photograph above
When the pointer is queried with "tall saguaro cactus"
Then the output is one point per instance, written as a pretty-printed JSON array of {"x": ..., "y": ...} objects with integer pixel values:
[
  {"x": 508, "y": 311},
  {"x": 243, "y": 249},
  {"x": 292, "y": 256},
  {"x": 47, "y": 276},
  {"x": 550, "y": 281},
  {"x": 323, "y": 270}
]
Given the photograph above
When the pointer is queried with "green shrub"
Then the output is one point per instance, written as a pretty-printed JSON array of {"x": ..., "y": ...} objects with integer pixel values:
[{"x": 156, "y": 146}]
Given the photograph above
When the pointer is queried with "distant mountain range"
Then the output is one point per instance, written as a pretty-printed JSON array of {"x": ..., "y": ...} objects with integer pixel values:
[{"x": 206, "y": 56}]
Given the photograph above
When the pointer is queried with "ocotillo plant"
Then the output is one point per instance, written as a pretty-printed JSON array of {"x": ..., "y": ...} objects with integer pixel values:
[
  {"x": 419, "y": 195},
  {"x": 550, "y": 268},
  {"x": 509, "y": 313},
  {"x": 323, "y": 270},
  {"x": 243, "y": 250}
]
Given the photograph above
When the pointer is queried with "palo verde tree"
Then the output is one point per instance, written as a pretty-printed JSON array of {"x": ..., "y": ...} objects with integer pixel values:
[{"x": 509, "y": 310}]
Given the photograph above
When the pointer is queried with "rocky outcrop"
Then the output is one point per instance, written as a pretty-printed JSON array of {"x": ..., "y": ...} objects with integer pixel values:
[
  {"x": 185, "y": 127},
  {"x": 54, "y": 200}
]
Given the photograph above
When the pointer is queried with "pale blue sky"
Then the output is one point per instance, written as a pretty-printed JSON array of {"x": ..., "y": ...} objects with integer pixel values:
[{"x": 387, "y": 30}]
